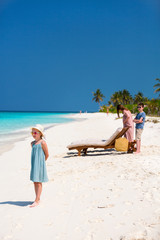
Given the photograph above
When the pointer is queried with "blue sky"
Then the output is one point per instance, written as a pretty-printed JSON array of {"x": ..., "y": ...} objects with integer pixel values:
[{"x": 54, "y": 54}]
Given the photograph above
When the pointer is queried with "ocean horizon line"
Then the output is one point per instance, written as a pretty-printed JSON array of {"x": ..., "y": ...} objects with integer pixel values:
[
  {"x": 28, "y": 111},
  {"x": 32, "y": 111}
]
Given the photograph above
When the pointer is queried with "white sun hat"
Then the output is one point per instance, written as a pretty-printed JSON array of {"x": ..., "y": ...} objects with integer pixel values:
[{"x": 40, "y": 128}]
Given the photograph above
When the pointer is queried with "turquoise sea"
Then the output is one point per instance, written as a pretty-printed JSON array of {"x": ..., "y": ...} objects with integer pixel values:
[{"x": 15, "y": 126}]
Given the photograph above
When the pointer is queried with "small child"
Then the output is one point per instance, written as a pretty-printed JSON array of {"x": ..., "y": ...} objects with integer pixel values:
[
  {"x": 139, "y": 120},
  {"x": 39, "y": 155}
]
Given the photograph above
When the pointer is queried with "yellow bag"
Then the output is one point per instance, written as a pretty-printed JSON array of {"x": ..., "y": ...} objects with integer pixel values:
[{"x": 121, "y": 144}]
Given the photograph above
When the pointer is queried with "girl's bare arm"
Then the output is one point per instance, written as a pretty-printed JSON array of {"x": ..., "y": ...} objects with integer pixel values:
[{"x": 45, "y": 149}]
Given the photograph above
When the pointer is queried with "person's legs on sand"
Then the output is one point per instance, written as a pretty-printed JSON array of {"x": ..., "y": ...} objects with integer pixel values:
[
  {"x": 38, "y": 191},
  {"x": 138, "y": 146}
]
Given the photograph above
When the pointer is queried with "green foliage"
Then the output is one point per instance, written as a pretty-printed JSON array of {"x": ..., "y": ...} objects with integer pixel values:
[
  {"x": 130, "y": 107},
  {"x": 157, "y": 86},
  {"x": 121, "y": 97},
  {"x": 139, "y": 97},
  {"x": 125, "y": 98},
  {"x": 103, "y": 108},
  {"x": 113, "y": 109},
  {"x": 146, "y": 110},
  {"x": 152, "y": 107}
]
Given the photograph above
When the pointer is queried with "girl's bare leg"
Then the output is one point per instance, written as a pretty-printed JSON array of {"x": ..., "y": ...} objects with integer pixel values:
[{"x": 38, "y": 191}]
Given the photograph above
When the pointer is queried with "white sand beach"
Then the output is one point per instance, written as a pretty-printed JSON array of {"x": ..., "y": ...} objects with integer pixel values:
[{"x": 106, "y": 195}]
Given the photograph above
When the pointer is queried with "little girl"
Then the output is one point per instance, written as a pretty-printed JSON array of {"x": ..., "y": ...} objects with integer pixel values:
[{"x": 39, "y": 155}]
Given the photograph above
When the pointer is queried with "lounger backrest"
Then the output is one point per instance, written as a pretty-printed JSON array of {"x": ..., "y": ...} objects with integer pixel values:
[
  {"x": 109, "y": 141},
  {"x": 118, "y": 133}
]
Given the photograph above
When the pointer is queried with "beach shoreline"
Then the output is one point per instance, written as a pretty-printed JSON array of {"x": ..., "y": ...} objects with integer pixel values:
[
  {"x": 102, "y": 196},
  {"x": 9, "y": 138}
]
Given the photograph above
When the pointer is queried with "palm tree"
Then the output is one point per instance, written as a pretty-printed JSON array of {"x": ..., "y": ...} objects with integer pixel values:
[
  {"x": 115, "y": 98},
  {"x": 138, "y": 98},
  {"x": 121, "y": 97},
  {"x": 154, "y": 106},
  {"x": 126, "y": 96},
  {"x": 98, "y": 96},
  {"x": 157, "y": 85}
]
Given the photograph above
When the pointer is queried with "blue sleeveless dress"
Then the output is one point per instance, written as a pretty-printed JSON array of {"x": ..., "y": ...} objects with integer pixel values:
[{"x": 38, "y": 164}]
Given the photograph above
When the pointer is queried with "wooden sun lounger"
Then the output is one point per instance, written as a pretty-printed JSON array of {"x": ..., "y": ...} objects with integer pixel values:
[{"x": 110, "y": 143}]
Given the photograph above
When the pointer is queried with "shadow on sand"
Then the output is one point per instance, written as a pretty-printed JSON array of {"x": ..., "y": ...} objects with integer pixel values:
[
  {"x": 17, "y": 203},
  {"x": 111, "y": 152}
]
